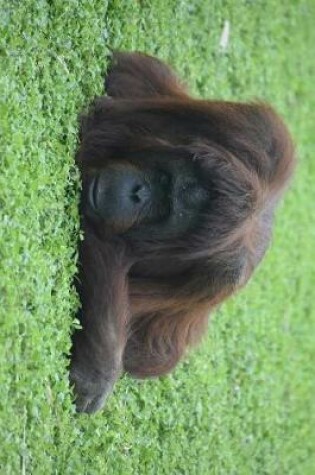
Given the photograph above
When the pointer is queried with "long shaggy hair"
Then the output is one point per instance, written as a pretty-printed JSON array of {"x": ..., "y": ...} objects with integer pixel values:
[{"x": 152, "y": 294}]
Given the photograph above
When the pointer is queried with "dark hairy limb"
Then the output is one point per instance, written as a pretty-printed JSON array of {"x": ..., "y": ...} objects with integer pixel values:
[{"x": 98, "y": 347}]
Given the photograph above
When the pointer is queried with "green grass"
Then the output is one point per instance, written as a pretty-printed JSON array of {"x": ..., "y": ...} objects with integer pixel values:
[{"x": 243, "y": 403}]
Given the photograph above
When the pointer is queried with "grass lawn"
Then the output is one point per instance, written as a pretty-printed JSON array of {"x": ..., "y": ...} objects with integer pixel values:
[{"x": 242, "y": 403}]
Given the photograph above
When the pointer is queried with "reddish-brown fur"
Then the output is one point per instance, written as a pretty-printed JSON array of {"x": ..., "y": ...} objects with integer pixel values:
[{"x": 139, "y": 322}]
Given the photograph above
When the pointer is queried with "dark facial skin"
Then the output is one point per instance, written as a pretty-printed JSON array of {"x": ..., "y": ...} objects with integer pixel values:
[{"x": 129, "y": 198}]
